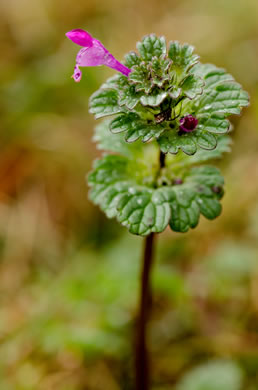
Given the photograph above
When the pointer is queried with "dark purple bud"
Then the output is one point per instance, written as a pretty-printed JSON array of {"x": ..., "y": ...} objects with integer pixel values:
[
  {"x": 216, "y": 189},
  {"x": 188, "y": 123},
  {"x": 177, "y": 181}
]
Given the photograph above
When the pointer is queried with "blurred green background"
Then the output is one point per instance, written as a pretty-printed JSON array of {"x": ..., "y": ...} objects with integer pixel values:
[{"x": 68, "y": 276}]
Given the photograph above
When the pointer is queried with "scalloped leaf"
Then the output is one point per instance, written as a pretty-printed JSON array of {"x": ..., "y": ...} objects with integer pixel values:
[
  {"x": 174, "y": 92},
  {"x": 140, "y": 76},
  {"x": 184, "y": 218},
  {"x": 182, "y": 57},
  {"x": 114, "y": 142},
  {"x": 223, "y": 146},
  {"x": 151, "y": 46},
  {"x": 130, "y": 203},
  {"x": 159, "y": 70},
  {"x": 127, "y": 94},
  {"x": 135, "y": 127},
  {"x": 206, "y": 140},
  {"x": 104, "y": 103},
  {"x": 153, "y": 100},
  {"x": 172, "y": 141},
  {"x": 181, "y": 160},
  {"x": 226, "y": 98},
  {"x": 129, "y": 97},
  {"x": 192, "y": 86},
  {"x": 222, "y": 94},
  {"x": 214, "y": 123},
  {"x": 211, "y": 74},
  {"x": 138, "y": 212},
  {"x": 132, "y": 59},
  {"x": 198, "y": 200},
  {"x": 144, "y": 210},
  {"x": 196, "y": 197}
]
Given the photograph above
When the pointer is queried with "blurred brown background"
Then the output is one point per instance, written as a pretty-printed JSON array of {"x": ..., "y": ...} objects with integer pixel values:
[{"x": 68, "y": 276}]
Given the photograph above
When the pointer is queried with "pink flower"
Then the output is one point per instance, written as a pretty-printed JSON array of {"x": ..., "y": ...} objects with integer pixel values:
[{"x": 93, "y": 53}]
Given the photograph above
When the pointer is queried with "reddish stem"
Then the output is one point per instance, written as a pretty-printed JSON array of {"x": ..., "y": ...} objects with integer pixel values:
[{"x": 141, "y": 361}]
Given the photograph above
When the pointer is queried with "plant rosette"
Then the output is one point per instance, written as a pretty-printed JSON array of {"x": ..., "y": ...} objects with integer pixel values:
[{"x": 163, "y": 101}]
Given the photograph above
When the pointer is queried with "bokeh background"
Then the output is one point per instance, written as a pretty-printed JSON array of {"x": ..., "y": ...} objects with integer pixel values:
[{"x": 68, "y": 276}]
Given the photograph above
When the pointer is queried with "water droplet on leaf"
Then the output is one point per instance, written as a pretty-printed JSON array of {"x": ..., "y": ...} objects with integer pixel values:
[{"x": 132, "y": 190}]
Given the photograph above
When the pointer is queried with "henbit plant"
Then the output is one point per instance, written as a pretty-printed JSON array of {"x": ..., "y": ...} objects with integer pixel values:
[{"x": 170, "y": 117}]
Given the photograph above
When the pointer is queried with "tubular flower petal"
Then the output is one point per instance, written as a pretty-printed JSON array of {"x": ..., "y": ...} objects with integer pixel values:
[
  {"x": 188, "y": 123},
  {"x": 93, "y": 53}
]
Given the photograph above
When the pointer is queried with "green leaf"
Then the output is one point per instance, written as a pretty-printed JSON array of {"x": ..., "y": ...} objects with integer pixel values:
[
  {"x": 215, "y": 375},
  {"x": 175, "y": 92},
  {"x": 182, "y": 57},
  {"x": 153, "y": 100},
  {"x": 206, "y": 140},
  {"x": 127, "y": 94},
  {"x": 135, "y": 127},
  {"x": 211, "y": 74},
  {"x": 146, "y": 76},
  {"x": 192, "y": 86},
  {"x": 223, "y": 146},
  {"x": 132, "y": 59},
  {"x": 130, "y": 203},
  {"x": 143, "y": 209},
  {"x": 213, "y": 123},
  {"x": 196, "y": 196},
  {"x": 184, "y": 218},
  {"x": 171, "y": 142},
  {"x": 221, "y": 97},
  {"x": 159, "y": 70},
  {"x": 207, "y": 175},
  {"x": 141, "y": 77},
  {"x": 140, "y": 214},
  {"x": 104, "y": 102},
  {"x": 129, "y": 97},
  {"x": 151, "y": 46},
  {"x": 114, "y": 142},
  {"x": 226, "y": 98},
  {"x": 107, "y": 179},
  {"x": 182, "y": 160},
  {"x": 184, "y": 209},
  {"x": 221, "y": 93}
]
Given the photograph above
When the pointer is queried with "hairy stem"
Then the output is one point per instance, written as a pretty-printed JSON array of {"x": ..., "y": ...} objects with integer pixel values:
[{"x": 141, "y": 362}]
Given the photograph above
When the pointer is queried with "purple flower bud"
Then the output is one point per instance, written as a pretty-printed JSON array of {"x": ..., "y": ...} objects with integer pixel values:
[
  {"x": 188, "y": 123},
  {"x": 177, "y": 181},
  {"x": 80, "y": 37},
  {"x": 216, "y": 189},
  {"x": 93, "y": 53}
]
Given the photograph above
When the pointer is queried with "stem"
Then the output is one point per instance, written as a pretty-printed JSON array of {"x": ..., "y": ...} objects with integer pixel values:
[
  {"x": 141, "y": 362},
  {"x": 142, "y": 379},
  {"x": 162, "y": 158}
]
